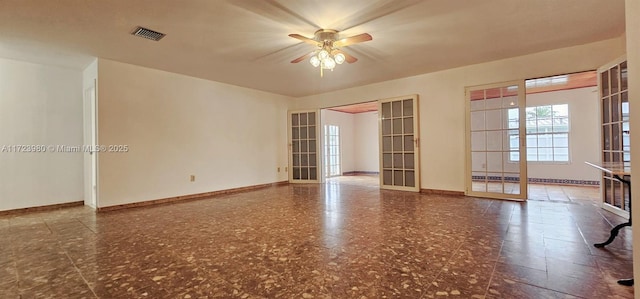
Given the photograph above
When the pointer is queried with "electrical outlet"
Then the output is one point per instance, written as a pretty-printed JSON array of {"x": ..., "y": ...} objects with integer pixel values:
[
  {"x": 192, "y": 178},
  {"x": 278, "y": 169}
]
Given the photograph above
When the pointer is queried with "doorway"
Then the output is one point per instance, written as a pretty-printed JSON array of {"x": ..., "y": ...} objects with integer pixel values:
[
  {"x": 350, "y": 144},
  {"x": 530, "y": 141},
  {"x": 355, "y": 143},
  {"x": 562, "y": 132}
]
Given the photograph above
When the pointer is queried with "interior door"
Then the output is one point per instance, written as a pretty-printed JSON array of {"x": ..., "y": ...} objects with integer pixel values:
[
  {"x": 496, "y": 165},
  {"x": 304, "y": 148},
  {"x": 616, "y": 147},
  {"x": 90, "y": 157},
  {"x": 399, "y": 143}
]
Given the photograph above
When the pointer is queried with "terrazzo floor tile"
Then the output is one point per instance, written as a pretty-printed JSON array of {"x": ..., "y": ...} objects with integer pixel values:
[{"x": 342, "y": 239}]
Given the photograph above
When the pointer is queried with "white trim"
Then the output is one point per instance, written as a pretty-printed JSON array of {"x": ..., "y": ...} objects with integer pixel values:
[{"x": 615, "y": 210}]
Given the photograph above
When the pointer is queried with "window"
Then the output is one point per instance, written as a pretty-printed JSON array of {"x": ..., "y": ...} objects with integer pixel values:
[
  {"x": 547, "y": 133},
  {"x": 548, "y": 81},
  {"x": 332, "y": 150}
]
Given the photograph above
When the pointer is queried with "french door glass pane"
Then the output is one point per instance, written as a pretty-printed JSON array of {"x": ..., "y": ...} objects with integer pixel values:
[
  {"x": 398, "y": 144},
  {"x": 303, "y": 146},
  {"x": 615, "y": 131},
  {"x": 495, "y": 140},
  {"x": 332, "y": 150}
]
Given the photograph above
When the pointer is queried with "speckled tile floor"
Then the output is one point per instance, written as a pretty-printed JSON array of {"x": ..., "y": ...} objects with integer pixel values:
[{"x": 317, "y": 241}]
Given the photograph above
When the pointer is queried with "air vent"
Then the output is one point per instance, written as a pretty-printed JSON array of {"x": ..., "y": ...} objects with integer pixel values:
[{"x": 148, "y": 33}]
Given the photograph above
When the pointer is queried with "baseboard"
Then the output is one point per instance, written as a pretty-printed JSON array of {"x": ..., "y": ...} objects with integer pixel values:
[
  {"x": 565, "y": 182},
  {"x": 42, "y": 208},
  {"x": 442, "y": 192},
  {"x": 538, "y": 180},
  {"x": 183, "y": 198},
  {"x": 360, "y": 173}
]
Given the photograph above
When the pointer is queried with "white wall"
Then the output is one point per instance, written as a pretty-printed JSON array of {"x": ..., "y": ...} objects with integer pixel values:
[
  {"x": 366, "y": 142},
  {"x": 632, "y": 18},
  {"x": 584, "y": 135},
  {"x": 39, "y": 105},
  {"x": 176, "y": 126},
  {"x": 442, "y": 101},
  {"x": 347, "y": 138}
]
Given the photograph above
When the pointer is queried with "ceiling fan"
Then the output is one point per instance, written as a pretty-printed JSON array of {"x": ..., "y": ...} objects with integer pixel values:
[{"x": 328, "y": 51}]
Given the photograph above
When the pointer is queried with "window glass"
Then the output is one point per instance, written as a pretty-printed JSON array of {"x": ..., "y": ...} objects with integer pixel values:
[{"x": 547, "y": 130}]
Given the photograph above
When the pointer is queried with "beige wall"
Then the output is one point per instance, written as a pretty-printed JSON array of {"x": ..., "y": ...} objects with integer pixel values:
[
  {"x": 367, "y": 148},
  {"x": 632, "y": 8},
  {"x": 442, "y": 100},
  {"x": 39, "y": 105},
  {"x": 176, "y": 126}
]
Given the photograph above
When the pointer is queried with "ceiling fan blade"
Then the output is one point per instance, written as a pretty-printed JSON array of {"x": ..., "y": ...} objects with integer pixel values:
[
  {"x": 348, "y": 57},
  {"x": 303, "y": 57},
  {"x": 305, "y": 39},
  {"x": 352, "y": 40}
]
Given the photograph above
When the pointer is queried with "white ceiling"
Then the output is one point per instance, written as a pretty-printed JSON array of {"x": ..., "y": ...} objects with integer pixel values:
[{"x": 245, "y": 42}]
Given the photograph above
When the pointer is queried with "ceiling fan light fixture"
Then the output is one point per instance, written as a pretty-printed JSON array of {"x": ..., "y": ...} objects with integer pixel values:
[
  {"x": 328, "y": 54},
  {"x": 323, "y": 54},
  {"x": 328, "y": 63},
  {"x": 315, "y": 61}
]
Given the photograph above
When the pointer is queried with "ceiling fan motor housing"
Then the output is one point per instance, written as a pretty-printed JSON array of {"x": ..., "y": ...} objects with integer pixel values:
[{"x": 326, "y": 35}]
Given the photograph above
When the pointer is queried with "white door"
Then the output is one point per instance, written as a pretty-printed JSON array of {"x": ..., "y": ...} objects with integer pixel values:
[
  {"x": 496, "y": 165},
  {"x": 616, "y": 147},
  {"x": 399, "y": 143},
  {"x": 304, "y": 148},
  {"x": 90, "y": 139}
]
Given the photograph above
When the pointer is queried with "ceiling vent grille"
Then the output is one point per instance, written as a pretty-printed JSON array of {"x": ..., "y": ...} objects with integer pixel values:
[{"x": 148, "y": 33}]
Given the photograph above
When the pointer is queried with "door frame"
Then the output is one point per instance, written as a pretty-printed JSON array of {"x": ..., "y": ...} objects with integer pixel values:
[
  {"x": 90, "y": 106},
  {"x": 522, "y": 136}
]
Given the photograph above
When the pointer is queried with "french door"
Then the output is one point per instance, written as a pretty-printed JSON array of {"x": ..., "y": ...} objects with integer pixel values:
[
  {"x": 616, "y": 147},
  {"x": 496, "y": 165},
  {"x": 399, "y": 143},
  {"x": 304, "y": 129},
  {"x": 332, "y": 151}
]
